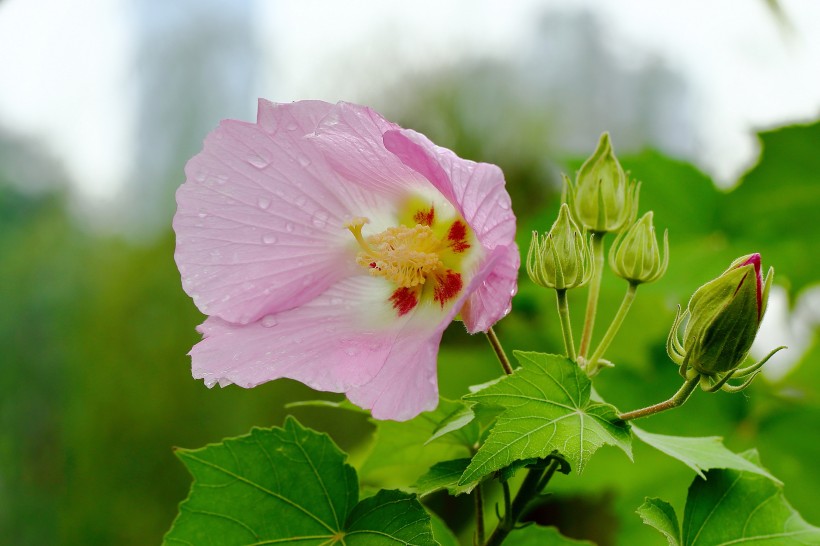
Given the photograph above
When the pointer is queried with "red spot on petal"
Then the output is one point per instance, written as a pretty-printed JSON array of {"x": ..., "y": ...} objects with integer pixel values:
[
  {"x": 425, "y": 217},
  {"x": 458, "y": 237},
  {"x": 373, "y": 265},
  {"x": 404, "y": 300},
  {"x": 447, "y": 286}
]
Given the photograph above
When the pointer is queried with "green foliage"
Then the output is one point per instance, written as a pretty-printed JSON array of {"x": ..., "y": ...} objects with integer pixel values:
[
  {"x": 700, "y": 454},
  {"x": 547, "y": 407},
  {"x": 445, "y": 475},
  {"x": 285, "y": 485},
  {"x": 535, "y": 535},
  {"x": 661, "y": 515},
  {"x": 401, "y": 451},
  {"x": 732, "y": 507}
]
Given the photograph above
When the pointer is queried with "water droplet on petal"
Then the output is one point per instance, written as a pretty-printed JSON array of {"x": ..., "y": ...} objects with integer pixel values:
[
  {"x": 335, "y": 301},
  {"x": 292, "y": 126},
  {"x": 320, "y": 219},
  {"x": 304, "y": 160},
  {"x": 258, "y": 162},
  {"x": 200, "y": 176},
  {"x": 263, "y": 203},
  {"x": 269, "y": 238},
  {"x": 289, "y": 227},
  {"x": 504, "y": 203},
  {"x": 301, "y": 200},
  {"x": 307, "y": 280},
  {"x": 268, "y": 321},
  {"x": 202, "y": 215},
  {"x": 351, "y": 351}
]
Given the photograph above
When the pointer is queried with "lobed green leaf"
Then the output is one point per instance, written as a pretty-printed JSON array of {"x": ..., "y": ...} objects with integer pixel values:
[{"x": 546, "y": 407}]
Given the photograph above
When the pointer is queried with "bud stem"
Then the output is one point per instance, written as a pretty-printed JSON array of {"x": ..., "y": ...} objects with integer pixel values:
[
  {"x": 499, "y": 351},
  {"x": 566, "y": 325},
  {"x": 612, "y": 331},
  {"x": 597, "y": 241},
  {"x": 678, "y": 399}
]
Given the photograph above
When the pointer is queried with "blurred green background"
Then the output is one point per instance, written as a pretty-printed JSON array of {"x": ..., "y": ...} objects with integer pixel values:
[{"x": 95, "y": 388}]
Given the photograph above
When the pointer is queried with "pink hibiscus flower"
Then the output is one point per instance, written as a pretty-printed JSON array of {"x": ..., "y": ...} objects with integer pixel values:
[{"x": 333, "y": 247}]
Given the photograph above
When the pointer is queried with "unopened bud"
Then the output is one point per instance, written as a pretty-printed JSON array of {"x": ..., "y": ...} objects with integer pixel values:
[
  {"x": 560, "y": 259},
  {"x": 725, "y": 315},
  {"x": 635, "y": 255},
  {"x": 602, "y": 198}
]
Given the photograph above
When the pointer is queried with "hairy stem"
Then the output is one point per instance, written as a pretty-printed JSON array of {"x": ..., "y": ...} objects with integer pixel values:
[
  {"x": 678, "y": 399},
  {"x": 612, "y": 331},
  {"x": 499, "y": 351},
  {"x": 479, "y": 515},
  {"x": 597, "y": 241},
  {"x": 566, "y": 325}
]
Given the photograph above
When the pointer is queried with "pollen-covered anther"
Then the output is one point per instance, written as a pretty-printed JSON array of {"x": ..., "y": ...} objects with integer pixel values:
[{"x": 404, "y": 255}]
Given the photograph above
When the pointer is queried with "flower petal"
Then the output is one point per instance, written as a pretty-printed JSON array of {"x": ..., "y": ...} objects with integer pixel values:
[
  {"x": 260, "y": 219},
  {"x": 350, "y": 137},
  {"x": 477, "y": 191},
  {"x": 322, "y": 343}
]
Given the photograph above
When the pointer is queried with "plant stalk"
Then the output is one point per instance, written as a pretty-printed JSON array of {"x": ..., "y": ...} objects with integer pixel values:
[
  {"x": 678, "y": 399},
  {"x": 566, "y": 325},
  {"x": 612, "y": 331},
  {"x": 499, "y": 351},
  {"x": 597, "y": 241}
]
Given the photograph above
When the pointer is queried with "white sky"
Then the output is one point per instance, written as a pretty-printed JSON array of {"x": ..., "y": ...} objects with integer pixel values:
[{"x": 64, "y": 66}]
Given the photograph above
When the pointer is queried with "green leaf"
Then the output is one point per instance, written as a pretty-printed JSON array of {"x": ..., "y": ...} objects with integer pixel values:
[
  {"x": 462, "y": 420},
  {"x": 546, "y": 407},
  {"x": 441, "y": 533},
  {"x": 659, "y": 514},
  {"x": 284, "y": 485},
  {"x": 535, "y": 535},
  {"x": 733, "y": 507},
  {"x": 700, "y": 454},
  {"x": 400, "y": 455},
  {"x": 773, "y": 210},
  {"x": 444, "y": 475}
]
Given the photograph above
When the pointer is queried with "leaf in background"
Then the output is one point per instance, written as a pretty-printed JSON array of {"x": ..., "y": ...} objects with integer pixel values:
[
  {"x": 773, "y": 210},
  {"x": 546, "y": 407},
  {"x": 288, "y": 484},
  {"x": 733, "y": 507},
  {"x": 444, "y": 475},
  {"x": 461, "y": 421},
  {"x": 536, "y": 535},
  {"x": 700, "y": 454},
  {"x": 441, "y": 533},
  {"x": 659, "y": 514},
  {"x": 399, "y": 454}
]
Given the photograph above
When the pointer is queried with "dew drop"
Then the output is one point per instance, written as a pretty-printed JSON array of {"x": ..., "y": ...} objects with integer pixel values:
[
  {"x": 200, "y": 176},
  {"x": 351, "y": 351},
  {"x": 202, "y": 215},
  {"x": 304, "y": 160},
  {"x": 269, "y": 238},
  {"x": 308, "y": 279},
  {"x": 301, "y": 200},
  {"x": 258, "y": 162},
  {"x": 292, "y": 126},
  {"x": 263, "y": 203},
  {"x": 504, "y": 203},
  {"x": 320, "y": 219},
  {"x": 335, "y": 301},
  {"x": 269, "y": 321},
  {"x": 289, "y": 227}
]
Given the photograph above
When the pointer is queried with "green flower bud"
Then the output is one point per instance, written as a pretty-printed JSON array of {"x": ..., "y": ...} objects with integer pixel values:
[
  {"x": 602, "y": 198},
  {"x": 635, "y": 255},
  {"x": 725, "y": 315},
  {"x": 560, "y": 259}
]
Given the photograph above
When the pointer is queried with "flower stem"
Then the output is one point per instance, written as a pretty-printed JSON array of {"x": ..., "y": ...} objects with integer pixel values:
[
  {"x": 479, "y": 516},
  {"x": 566, "y": 325},
  {"x": 597, "y": 241},
  {"x": 678, "y": 399},
  {"x": 499, "y": 351},
  {"x": 612, "y": 331}
]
